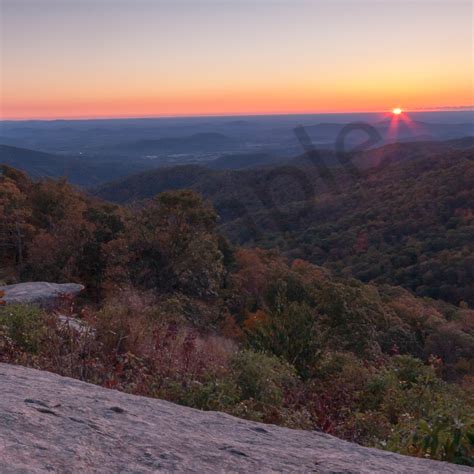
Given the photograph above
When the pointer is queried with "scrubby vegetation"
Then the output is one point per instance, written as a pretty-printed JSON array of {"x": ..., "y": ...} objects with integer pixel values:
[{"x": 174, "y": 311}]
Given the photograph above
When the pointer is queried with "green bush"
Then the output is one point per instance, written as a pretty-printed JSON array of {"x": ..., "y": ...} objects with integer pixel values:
[
  {"x": 24, "y": 325},
  {"x": 212, "y": 394},
  {"x": 405, "y": 386},
  {"x": 427, "y": 415},
  {"x": 444, "y": 438},
  {"x": 289, "y": 332},
  {"x": 262, "y": 377}
]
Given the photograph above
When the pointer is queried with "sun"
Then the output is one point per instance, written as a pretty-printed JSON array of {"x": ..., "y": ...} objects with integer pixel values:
[{"x": 396, "y": 111}]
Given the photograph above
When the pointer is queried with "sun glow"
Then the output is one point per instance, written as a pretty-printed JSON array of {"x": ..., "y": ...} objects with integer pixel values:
[{"x": 396, "y": 111}]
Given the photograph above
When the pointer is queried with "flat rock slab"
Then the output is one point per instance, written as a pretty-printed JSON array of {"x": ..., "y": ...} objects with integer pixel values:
[
  {"x": 50, "y": 423},
  {"x": 40, "y": 292}
]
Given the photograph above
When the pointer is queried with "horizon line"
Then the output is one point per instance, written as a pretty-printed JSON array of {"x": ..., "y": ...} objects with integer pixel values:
[{"x": 466, "y": 108}]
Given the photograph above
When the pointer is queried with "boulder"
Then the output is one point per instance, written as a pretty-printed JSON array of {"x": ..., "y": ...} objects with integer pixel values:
[
  {"x": 40, "y": 293},
  {"x": 75, "y": 324},
  {"x": 50, "y": 423}
]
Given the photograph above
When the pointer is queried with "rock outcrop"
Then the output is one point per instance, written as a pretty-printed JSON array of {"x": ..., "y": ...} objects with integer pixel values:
[
  {"x": 50, "y": 423},
  {"x": 39, "y": 293}
]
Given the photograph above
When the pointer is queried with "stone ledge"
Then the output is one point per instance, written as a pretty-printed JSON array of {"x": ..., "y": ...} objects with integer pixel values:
[
  {"x": 40, "y": 293},
  {"x": 50, "y": 423}
]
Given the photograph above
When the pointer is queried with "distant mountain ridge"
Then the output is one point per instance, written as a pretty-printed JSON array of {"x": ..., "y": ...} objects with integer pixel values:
[
  {"x": 199, "y": 142},
  {"x": 206, "y": 177},
  {"x": 78, "y": 170},
  {"x": 251, "y": 134}
]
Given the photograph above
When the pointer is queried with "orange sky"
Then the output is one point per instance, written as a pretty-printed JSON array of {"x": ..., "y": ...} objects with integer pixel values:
[{"x": 98, "y": 58}]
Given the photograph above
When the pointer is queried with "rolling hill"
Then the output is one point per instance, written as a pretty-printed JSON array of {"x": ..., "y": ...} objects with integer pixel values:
[
  {"x": 78, "y": 170},
  {"x": 405, "y": 219}
]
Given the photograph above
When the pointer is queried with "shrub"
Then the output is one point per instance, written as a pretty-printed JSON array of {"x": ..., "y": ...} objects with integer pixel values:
[
  {"x": 444, "y": 437},
  {"x": 261, "y": 377},
  {"x": 289, "y": 331},
  {"x": 24, "y": 325}
]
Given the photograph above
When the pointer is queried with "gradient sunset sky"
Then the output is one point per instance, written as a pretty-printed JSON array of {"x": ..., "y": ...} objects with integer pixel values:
[{"x": 107, "y": 58}]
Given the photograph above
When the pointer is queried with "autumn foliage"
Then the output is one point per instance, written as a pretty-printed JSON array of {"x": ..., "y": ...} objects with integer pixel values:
[{"x": 172, "y": 310}]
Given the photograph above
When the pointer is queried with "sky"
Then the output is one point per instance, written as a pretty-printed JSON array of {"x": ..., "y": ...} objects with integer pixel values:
[{"x": 133, "y": 58}]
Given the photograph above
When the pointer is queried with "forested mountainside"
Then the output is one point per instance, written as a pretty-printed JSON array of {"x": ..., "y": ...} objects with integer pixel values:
[
  {"x": 79, "y": 170},
  {"x": 405, "y": 218},
  {"x": 151, "y": 182},
  {"x": 176, "y": 312}
]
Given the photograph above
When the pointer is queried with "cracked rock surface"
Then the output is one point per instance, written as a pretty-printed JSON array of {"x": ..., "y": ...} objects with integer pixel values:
[{"x": 50, "y": 423}]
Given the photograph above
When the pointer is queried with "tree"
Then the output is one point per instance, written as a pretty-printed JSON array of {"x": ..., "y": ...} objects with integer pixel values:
[
  {"x": 14, "y": 217},
  {"x": 170, "y": 243}
]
